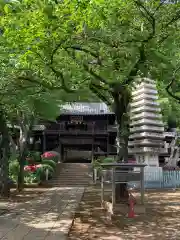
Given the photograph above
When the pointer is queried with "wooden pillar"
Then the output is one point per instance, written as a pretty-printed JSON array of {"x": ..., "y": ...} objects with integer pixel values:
[
  {"x": 107, "y": 146},
  {"x": 44, "y": 141},
  {"x": 60, "y": 146},
  {"x": 62, "y": 152},
  {"x": 92, "y": 149}
]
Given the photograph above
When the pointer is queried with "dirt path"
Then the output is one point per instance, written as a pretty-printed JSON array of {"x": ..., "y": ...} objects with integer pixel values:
[{"x": 162, "y": 220}]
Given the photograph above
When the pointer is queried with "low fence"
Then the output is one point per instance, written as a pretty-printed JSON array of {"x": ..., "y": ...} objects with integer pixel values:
[
  {"x": 154, "y": 180},
  {"x": 164, "y": 179}
]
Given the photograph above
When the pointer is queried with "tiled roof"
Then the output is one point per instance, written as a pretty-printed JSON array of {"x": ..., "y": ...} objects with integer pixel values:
[{"x": 85, "y": 108}]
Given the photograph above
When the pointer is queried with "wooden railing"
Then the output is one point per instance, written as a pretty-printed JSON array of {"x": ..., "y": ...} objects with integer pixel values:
[{"x": 60, "y": 127}]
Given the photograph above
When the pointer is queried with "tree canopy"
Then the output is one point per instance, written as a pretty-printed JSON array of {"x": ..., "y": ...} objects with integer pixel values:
[
  {"x": 89, "y": 48},
  {"x": 73, "y": 44}
]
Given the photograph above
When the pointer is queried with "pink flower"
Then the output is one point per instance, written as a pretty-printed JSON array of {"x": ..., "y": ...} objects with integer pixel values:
[
  {"x": 48, "y": 155},
  {"x": 30, "y": 168},
  {"x": 38, "y": 165}
]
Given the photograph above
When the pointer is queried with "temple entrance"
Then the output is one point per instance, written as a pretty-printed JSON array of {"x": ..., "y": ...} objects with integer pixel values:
[{"x": 74, "y": 154}]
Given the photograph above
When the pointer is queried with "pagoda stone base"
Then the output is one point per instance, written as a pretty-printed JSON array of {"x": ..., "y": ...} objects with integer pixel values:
[
  {"x": 152, "y": 173},
  {"x": 151, "y": 160}
]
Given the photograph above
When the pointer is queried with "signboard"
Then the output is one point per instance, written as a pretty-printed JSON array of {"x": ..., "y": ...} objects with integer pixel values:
[
  {"x": 127, "y": 176},
  {"x": 75, "y": 119}
]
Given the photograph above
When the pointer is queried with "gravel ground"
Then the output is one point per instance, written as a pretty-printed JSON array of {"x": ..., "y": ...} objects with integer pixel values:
[{"x": 161, "y": 220}]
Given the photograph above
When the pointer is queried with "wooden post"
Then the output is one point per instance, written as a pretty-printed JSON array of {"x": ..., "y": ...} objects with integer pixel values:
[
  {"x": 107, "y": 144},
  {"x": 92, "y": 149},
  {"x": 62, "y": 153},
  {"x": 107, "y": 137},
  {"x": 113, "y": 188},
  {"x": 102, "y": 189},
  {"x": 92, "y": 156},
  {"x": 142, "y": 185},
  {"x": 59, "y": 148}
]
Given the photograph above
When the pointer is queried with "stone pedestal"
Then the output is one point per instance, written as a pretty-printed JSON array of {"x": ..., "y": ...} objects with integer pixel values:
[{"x": 152, "y": 172}]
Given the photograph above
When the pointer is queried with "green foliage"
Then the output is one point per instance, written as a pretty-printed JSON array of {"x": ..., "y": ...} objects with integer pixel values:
[
  {"x": 41, "y": 172},
  {"x": 76, "y": 46},
  {"x": 13, "y": 157},
  {"x": 108, "y": 160},
  {"x": 14, "y": 169},
  {"x": 39, "y": 175},
  {"x": 30, "y": 177},
  {"x": 50, "y": 163},
  {"x": 47, "y": 167},
  {"x": 35, "y": 155},
  {"x": 97, "y": 163},
  {"x": 53, "y": 158},
  {"x": 170, "y": 109}
]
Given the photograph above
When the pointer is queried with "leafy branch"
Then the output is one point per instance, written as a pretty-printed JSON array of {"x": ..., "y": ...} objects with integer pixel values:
[
  {"x": 57, "y": 73},
  {"x": 171, "y": 84}
]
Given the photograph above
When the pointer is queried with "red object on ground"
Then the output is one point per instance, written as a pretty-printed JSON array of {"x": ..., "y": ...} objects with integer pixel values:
[{"x": 131, "y": 213}]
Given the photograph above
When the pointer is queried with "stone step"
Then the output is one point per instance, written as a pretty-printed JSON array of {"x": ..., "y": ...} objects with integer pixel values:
[{"x": 71, "y": 174}]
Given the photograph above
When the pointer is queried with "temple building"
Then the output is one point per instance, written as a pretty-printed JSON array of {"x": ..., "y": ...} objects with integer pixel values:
[{"x": 80, "y": 127}]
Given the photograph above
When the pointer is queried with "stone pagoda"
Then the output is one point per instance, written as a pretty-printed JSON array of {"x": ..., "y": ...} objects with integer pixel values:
[{"x": 146, "y": 139}]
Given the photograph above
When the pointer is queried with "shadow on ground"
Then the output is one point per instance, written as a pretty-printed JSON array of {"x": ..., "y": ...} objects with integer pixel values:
[
  {"x": 46, "y": 217},
  {"x": 161, "y": 220}
]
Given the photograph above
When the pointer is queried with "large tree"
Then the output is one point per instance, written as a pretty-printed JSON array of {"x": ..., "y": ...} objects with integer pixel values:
[{"x": 100, "y": 45}]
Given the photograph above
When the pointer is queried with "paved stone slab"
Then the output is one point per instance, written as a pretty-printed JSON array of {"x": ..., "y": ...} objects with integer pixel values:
[{"x": 48, "y": 217}]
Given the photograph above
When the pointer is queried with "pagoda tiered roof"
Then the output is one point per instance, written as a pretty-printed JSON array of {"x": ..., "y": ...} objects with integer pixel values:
[{"x": 146, "y": 126}]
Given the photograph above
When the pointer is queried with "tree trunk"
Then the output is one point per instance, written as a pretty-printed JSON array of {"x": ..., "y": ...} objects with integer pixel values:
[
  {"x": 121, "y": 101},
  {"x": 25, "y": 133},
  {"x": 121, "y": 192},
  {"x": 21, "y": 159},
  {"x": 4, "y": 159},
  {"x": 13, "y": 148}
]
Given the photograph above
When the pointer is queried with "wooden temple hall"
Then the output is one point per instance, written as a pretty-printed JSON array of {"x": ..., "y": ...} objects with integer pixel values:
[{"x": 80, "y": 126}]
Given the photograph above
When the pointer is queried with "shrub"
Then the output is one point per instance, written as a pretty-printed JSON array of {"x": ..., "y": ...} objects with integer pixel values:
[
  {"x": 49, "y": 162},
  {"x": 46, "y": 166},
  {"x": 29, "y": 161},
  {"x": 36, "y": 155},
  {"x": 14, "y": 170},
  {"x": 41, "y": 172},
  {"x": 32, "y": 173},
  {"x": 30, "y": 177},
  {"x": 108, "y": 160},
  {"x": 50, "y": 155}
]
